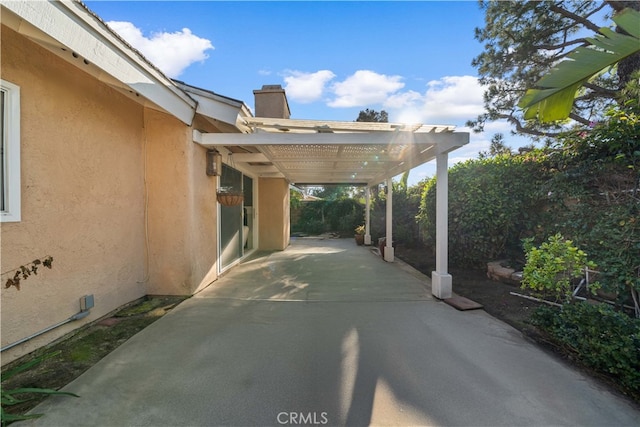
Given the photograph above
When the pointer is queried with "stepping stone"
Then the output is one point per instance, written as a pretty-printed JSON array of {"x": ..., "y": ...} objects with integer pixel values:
[
  {"x": 109, "y": 321},
  {"x": 462, "y": 303}
]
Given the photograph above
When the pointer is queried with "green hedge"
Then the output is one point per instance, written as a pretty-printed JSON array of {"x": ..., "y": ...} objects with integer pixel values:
[
  {"x": 493, "y": 204},
  {"x": 599, "y": 336},
  {"x": 594, "y": 194},
  {"x": 406, "y": 203},
  {"x": 339, "y": 216}
]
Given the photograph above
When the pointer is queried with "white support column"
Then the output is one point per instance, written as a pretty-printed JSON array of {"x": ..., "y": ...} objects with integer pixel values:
[
  {"x": 367, "y": 216},
  {"x": 388, "y": 250},
  {"x": 441, "y": 280}
]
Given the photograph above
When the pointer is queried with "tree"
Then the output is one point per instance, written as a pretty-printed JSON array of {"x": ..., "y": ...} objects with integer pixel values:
[
  {"x": 523, "y": 41},
  {"x": 497, "y": 147},
  {"x": 373, "y": 116},
  {"x": 332, "y": 192}
]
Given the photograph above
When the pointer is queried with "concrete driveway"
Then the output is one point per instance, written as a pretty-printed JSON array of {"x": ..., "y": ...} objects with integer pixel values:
[{"x": 326, "y": 333}]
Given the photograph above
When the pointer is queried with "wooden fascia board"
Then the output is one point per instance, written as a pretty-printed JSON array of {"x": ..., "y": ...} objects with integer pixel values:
[
  {"x": 72, "y": 26},
  {"x": 218, "y": 107},
  {"x": 217, "y": 110}
]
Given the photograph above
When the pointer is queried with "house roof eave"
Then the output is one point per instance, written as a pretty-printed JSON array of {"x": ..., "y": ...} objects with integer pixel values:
[
  {"x": 77, "y": 35},
  {"x": 218, "y": 107}
]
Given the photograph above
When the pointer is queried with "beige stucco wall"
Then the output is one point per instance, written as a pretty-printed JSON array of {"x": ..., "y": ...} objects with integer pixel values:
[
  {"x": 182, "y": 209},
  {"x": 82, "y": 196},
  {"x": 273, "y": 209}
]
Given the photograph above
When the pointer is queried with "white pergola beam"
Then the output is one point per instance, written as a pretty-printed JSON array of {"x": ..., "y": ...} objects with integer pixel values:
[
  {"x": 340, "y": 126},
  {"x": 260, "y": 170},
  {"x": 449, "y": 139},
  {"x": 250, "y": 157},
  {"x": 269, "y": 138}
]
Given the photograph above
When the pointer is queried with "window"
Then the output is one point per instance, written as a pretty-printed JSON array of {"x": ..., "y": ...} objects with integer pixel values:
[{"x": 9, "y": 152}]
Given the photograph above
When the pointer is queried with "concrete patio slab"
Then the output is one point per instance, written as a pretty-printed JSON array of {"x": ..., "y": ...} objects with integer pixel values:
[
  {"x": 320, "y": 269},
  {"x": 325, "y": 333}
]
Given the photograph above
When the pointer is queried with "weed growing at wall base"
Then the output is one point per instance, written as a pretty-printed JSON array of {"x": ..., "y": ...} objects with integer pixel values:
[{"x": 20, "y": 395}]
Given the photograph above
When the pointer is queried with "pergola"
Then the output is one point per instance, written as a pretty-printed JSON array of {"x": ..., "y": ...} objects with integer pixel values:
[{"x": 314, "y": 152}]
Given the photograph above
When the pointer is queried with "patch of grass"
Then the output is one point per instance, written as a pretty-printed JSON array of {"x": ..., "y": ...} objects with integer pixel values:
[
  {"x": 81, "y": 353},
  {"x": 148, "y": 305}
]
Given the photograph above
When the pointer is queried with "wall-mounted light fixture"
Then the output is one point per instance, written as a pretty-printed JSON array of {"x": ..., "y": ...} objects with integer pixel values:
[{"x": 214, "y": 163}]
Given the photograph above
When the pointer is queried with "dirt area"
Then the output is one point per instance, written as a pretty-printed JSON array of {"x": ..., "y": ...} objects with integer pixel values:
[
  {"x": 474, "y": 284},
  {"x": 83, "y": 348}
]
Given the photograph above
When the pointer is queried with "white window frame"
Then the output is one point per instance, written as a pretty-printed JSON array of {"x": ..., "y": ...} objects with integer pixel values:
[{"x": 11, "y": 150}]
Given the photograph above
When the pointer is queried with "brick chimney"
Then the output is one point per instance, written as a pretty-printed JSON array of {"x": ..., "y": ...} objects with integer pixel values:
[{"x": 271, "y": 101}]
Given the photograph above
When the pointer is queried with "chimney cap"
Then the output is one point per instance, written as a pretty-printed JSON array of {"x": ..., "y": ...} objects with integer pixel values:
[{"x": 270, "y": 88}]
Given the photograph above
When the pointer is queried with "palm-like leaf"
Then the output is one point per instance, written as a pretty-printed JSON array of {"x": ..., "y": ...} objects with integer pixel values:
[{"x": 557, "y": 90}]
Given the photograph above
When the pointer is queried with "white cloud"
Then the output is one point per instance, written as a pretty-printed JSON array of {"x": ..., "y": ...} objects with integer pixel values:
[
  {"x": 306, "y": 87},
  {"x": 448, "y": 100},
  {"x": 403, "y": 100},
  {"x": 364, "y": 88},
  {"x": 170, "y": 52},
  {"x": 453, "y": 99}
]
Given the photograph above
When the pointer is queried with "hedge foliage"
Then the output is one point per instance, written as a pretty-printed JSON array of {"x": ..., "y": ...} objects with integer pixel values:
[
  {"x": 594, "y": 196},
  {"x": 493, "y": 204},
  {"x": 406, "y": 202},
  {"x": 599, "y": 336},
  {"x": 339, "y": 216}
]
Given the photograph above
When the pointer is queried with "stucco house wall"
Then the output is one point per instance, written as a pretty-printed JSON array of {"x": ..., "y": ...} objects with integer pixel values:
[
  {"x": 82, "y": 196},
  {"x": 274, "y": 214},
  {"x": 182, "y": 210}
]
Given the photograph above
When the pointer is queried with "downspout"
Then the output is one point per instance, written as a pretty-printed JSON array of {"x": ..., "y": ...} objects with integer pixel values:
[{"x": 86, "y": 303}]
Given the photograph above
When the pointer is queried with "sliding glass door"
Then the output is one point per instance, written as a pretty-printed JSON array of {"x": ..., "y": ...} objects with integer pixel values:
[
  {"x": 236, "y": 222},
  {"x": 230, "y": 219}
]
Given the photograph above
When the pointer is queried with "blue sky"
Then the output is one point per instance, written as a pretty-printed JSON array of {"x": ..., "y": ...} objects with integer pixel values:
[{"x": 334, "y": 59}]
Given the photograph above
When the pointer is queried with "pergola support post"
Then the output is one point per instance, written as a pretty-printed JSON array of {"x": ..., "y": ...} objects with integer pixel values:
[
  {"x": 388, "y": 250},
  {"x": 367, "y": 216},
  {"x": 441, "y": 280}
]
